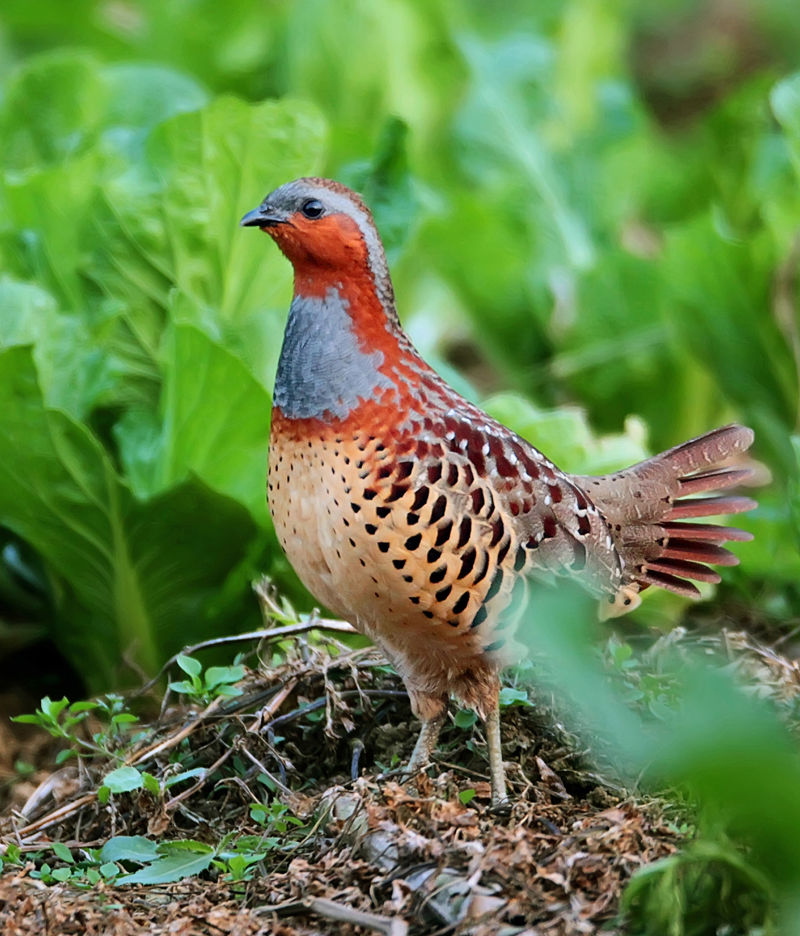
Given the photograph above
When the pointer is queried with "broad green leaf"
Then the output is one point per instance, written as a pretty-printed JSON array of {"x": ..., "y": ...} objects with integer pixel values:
[
  {"x": 61, "y": 851},
  {"x": 123, "y": 780},
  {"x": 142, "y": 574},
  {"x": 63, "y": 99},
  {"x": 75, "y": 374},
  {"x": 179, "y": 212},
  {"x": 59, "y": 105},
  {"x": 178, "y": 863},
  {"x": 189, "y": 665},
  {"x": 464, "y": 718},
  {"x": 129, "y": 848},
  {"x": 216, "y": 675},
  {"x": 204, "y": 385}
]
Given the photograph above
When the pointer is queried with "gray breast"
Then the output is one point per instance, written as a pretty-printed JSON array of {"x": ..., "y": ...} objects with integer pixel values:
[{"x": 322, "y": 368}]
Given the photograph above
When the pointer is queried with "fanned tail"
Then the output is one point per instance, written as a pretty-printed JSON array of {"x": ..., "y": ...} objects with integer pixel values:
[{"x": 647, "y": 506}]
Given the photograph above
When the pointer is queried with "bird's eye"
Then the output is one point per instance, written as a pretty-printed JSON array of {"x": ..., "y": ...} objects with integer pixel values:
[{"x": 312, "y": 208}]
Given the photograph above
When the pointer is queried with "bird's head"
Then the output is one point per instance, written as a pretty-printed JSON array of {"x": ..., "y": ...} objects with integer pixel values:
[{"x": 320, "y": 225}]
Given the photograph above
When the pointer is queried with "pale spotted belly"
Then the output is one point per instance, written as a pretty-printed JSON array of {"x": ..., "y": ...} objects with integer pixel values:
[{"x": 383, "y": 548}]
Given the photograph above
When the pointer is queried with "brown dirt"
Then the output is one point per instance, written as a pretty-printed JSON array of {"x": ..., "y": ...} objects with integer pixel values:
[{"x": 372, "y": 855}]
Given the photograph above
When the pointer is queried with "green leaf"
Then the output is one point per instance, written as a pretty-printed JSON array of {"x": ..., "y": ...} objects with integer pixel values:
[
  {"x": 52, "y": 709},
  {"x": 178, "y": 860},
  {"x": 464, "y": 718},
  {"x": 124, "y": 718},
  {"x": 202, "y": 377},
  {"x": 216, "y": 675},
  {"x": 180, "y": 211},
  {"x": 189, "y": 665},
  {"x": 123, "y": 780},
  {"x": 148, "y": 568},
  {"x": 129, "y": 848},
  {"x": 466, "y": 796},
  {"x": 64, "y": 100},
  {"x": 61, "y": 851},
  {"x": 184, "y": 775},
  {"x": 151, "y": 784},
  {"x": 511, "y": 696},
  {"x": 185, "y": 686}
]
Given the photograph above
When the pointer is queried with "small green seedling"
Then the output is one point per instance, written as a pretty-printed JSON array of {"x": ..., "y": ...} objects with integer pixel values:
[{"x": 205, "y": 687}]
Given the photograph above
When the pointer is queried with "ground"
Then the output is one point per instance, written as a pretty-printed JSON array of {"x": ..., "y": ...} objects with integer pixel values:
[{"x": 341, "y": 844}]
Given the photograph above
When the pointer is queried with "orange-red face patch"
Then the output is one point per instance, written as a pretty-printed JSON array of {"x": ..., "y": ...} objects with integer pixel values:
[{"x": 333, "y": 243}]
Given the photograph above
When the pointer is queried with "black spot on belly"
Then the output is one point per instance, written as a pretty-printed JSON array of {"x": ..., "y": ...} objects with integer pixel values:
[
  {"x": 467, "y": 562},
  {"x": 444, "y": 533},
  {"x": 461, "y": 604},
  {"x": 438, "y": 509},
  {"x": 420, "y": 498},
  {"x": 497, "y": 531}
]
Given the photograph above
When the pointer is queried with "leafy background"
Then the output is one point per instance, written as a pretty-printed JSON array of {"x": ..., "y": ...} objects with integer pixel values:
[
  {"x": 592, "y": 212},
  {"x": 585, "y": 206}
]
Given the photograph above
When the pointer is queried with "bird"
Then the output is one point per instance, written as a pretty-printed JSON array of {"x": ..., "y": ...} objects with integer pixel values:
[{"x": 414, "y": 515}]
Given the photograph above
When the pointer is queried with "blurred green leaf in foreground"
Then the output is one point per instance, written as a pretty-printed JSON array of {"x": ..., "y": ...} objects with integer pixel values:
[{"x": 718, "y": 743}]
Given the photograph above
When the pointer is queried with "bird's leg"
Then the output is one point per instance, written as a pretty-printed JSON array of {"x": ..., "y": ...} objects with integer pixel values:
[
  {"x": 496, "y": 770},
  {"x": 431, "y": 710},
  {"x": 426, "y": 742}
]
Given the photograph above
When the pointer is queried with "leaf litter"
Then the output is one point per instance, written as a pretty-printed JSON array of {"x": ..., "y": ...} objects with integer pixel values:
[{"x": 298, "y": 776}]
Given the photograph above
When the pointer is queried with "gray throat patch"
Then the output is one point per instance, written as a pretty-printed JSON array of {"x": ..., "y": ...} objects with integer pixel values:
[{"x": 322, "y": 369}]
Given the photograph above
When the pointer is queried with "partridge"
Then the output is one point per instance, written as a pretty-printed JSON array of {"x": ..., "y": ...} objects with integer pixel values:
[{"x": 413, "y": 514}]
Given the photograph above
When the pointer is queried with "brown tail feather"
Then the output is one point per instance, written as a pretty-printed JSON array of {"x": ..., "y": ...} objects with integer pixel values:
[
  {"x": 646, "y": 503},
  {"x": 709, "y": 507}
]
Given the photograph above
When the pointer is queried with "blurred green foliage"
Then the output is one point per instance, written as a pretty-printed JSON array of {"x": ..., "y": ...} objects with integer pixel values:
[
  {"x": 552, "y": 224},
  {"x": 586, "y": 204}
]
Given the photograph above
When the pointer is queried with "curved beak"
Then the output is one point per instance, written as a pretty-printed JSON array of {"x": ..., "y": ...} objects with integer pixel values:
[{"x": 263, "y": 216}]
